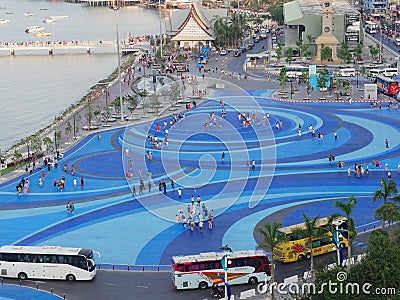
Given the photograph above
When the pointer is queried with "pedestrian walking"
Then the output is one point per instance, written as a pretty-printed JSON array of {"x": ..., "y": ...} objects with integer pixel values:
[
  {"x": 335, "y": 135},
  {"x": 253, "y": 165},
  {"x": 201, "y": 226},
  {"x": 75, "y": 182},
  {"x": 387, "y": 143},
  {"x": 223, "y": 156},
  {"x": 172, "y": 184},
  {"x": 180, "y": 193},
  {"x": 82, "y": 181}
]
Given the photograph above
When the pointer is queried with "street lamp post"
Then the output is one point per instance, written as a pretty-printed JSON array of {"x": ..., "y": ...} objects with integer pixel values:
[
  {"x": 161, "y": 34},
  {"x": 116, "y": 8}
]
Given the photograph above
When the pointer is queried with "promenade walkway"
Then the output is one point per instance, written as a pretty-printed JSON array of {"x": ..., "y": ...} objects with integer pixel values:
[{"x": 290, "y": 171}]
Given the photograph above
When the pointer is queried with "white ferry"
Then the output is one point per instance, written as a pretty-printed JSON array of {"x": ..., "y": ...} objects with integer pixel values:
[{"x": 34, "y": 29}]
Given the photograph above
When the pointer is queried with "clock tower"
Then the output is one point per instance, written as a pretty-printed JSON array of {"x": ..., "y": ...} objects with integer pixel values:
[{"x": 327, "y": 39}]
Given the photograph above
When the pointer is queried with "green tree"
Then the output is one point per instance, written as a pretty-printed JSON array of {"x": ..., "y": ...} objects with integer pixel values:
[
  {"x": 326, "y": 53},
  {"x": 302, "y": 48},
  {"x": 17, "y": 158},
  {"x": 310, "y": 232},
  {"x": 374, "y": 51},
  {"x": 282, "y": 78},
  {"x": 347, "y": 209},
  {"x": 388, "y": 212},
  {"x": 271, "y": 240},
  {"x": 48, "y": 143},
  {"x": 279, "y": 53},
  {"x": 58, "y": 138},
  {"x": 276, "y": 11},
  {"x": 289, "y": 55},
  {"x": 344, "y": 53},
  {"x": 36, "y": 145},
  {"x": 322, "y": 80},
  {"x": 68, "y": 130},
  {"x": 387, "y": 191},
  {"x": 357, "y": 52}
]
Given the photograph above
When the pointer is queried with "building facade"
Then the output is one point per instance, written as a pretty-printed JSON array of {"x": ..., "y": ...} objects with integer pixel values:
[{"x": 304, "y": 20}]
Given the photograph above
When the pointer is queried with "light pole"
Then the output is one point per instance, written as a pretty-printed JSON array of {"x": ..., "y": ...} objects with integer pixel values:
[
  {"x": 116, "y": 8},
  {"x": 161, "y": 34},
  {"x": 225, "y": 267}
]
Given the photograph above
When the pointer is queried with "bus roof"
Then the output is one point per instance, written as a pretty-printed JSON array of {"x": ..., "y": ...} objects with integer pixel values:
[
  {"x": 384, "y": 78},
  {"x": 319, "y": 222},
  {"x": 44, "y": 250},
  {"x": 207, "y": 256}
]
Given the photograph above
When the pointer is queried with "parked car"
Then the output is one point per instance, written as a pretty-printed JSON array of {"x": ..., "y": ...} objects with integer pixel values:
[
  {"x": 222, "y": 52},
  {"x": 237, "y": 53}
]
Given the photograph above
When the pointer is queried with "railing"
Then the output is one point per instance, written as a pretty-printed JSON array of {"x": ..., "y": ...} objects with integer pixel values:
[{"x": 128, "y": 267}]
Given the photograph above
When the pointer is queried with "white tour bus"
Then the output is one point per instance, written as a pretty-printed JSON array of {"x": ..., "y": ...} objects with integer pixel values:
[
  {"x": 390, "y": 72},
  {"x": 204, "y": 269},
  {"x": 47, "y": 262}
]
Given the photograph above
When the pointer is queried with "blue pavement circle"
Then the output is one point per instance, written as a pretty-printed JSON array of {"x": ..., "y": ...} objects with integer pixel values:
[{"x": 13, "y": 292}]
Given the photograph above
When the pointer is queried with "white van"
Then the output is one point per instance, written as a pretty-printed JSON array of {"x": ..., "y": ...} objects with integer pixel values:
[
  {"x": 390, "y": 72},
  {"x": 398, "y": 41},
  {"x": 375, "y": 72},
  {"x": 347, "y": 72}
]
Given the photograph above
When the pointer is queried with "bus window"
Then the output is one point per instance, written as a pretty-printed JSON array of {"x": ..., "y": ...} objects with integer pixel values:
[
  {"x": 180, "y": 268},
  {"x": 187, "y": 267},
  {"x": 195, "y": 267}
]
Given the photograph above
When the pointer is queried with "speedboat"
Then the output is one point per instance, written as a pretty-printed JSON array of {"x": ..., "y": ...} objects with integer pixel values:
[
  {"x": 4, "y": 21},
  {"x": 48, "y": 20},
  {"x": 59, "y": 17},
  {"x": 43, "y": 34},
  {"x": 34, "y": 29},
  {"x": 28, "y": 14}
]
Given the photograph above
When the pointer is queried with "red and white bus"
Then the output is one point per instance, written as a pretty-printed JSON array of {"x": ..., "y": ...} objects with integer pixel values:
[
  {"x": 386, "y": 85},
  {"x": 204, "y": 269}
]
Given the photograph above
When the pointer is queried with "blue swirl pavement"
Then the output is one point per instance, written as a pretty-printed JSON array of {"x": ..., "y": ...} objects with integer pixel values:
[
  {"x": 129, "y": 229},
  {"x": 12, "y": 292}
]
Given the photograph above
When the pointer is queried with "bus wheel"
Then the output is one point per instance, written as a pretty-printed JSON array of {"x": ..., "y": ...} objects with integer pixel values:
[
  {"x": 253, "y": 280},
  {"x": 203, "y": 285},
  {"x": 70, "y": 277},
  {"x": 300, "y": 258},
  {"x": 22, "y": 276},
  {"x": 308, "y": 255}
]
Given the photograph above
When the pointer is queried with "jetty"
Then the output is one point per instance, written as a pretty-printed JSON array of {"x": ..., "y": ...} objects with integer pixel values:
[{"x": 68, "y": 46}]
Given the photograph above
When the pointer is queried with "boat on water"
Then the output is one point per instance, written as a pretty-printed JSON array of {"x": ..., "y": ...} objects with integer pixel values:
[
  {"x": 8, "y": 12},
  {"x": 28, "y": 14},
  {"x": 59, "y": 17},
  {"x": 34, "y": 29},
  {"x": 48, "y": 20},
  {"x": 4, "y": 21},
  {"x": 43, "y": 34},
  {"x": 43, "y": 8}
]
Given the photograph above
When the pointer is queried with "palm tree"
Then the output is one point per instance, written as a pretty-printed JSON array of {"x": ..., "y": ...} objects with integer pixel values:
[
  {"x": 347, "y": 208},
  {"x": 310, "y": 232},
  {"x": 282, "y": 78},
  {"x": 289, "y": 55},
  {"x": 68, "y": 129},
  {"x": 271, "y": 240},
  {"x": 48, "y": 143},
  {"x": 388, "y": 212},
  {"x": 387, "y": 191}
]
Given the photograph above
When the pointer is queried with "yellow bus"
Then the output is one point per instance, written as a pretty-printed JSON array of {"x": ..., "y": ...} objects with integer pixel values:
[{"x": 295, "y": 248}]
